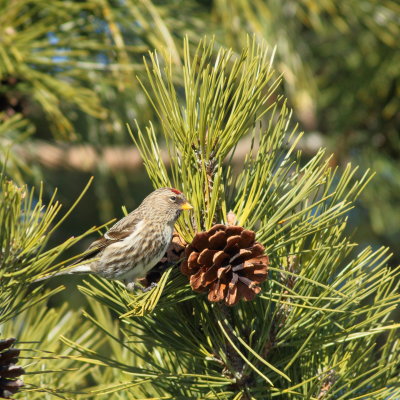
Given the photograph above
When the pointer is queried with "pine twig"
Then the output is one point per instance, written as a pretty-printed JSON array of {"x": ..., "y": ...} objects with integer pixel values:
[
  {"x": 284, "y": 310},
  {"x": 236, "y": 365}
]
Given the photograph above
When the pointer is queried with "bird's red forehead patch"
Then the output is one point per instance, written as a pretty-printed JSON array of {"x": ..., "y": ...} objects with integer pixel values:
[{"x": 176, "y": 191}]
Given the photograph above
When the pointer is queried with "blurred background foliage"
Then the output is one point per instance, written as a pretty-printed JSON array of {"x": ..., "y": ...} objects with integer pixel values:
[{"x": 68, "y": 86}]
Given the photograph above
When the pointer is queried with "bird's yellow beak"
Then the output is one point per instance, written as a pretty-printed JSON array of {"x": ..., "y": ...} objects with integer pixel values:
[{"x": 186, "y": 206}]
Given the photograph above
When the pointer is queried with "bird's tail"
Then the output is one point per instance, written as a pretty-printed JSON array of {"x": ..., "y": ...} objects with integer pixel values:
[{"x": 79, "y": 269}]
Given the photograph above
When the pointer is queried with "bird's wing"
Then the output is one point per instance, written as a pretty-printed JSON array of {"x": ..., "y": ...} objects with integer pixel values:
[{"x": 119, "y": 231}]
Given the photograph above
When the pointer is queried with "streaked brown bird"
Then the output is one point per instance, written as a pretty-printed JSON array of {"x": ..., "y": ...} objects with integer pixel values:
[{"x": 137, "y": 242}]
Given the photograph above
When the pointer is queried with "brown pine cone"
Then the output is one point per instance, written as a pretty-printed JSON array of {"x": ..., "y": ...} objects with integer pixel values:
[
  {"x": 227, "y": 262},
  {"x": 8, "y": 370}
]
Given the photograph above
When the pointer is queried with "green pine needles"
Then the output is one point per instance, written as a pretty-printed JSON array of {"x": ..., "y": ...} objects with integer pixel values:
[
  {"x": 322, "y": 327},
  {"x": 26, "y": 226}
]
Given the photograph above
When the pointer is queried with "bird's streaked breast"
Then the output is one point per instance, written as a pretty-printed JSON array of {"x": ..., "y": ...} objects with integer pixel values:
[{"x": 135, "y": 255}]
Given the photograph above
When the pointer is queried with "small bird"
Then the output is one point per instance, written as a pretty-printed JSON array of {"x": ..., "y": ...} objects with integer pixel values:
[{"x": 137, "y": 242}]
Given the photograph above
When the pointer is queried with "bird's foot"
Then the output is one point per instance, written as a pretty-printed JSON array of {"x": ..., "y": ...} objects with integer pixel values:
[
  {"x": 133, "y": 286},
  {"x": 148, "y": 288}
]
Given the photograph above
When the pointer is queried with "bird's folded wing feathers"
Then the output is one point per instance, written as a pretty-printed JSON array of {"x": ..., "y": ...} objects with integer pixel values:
[
  {"x": 102, "y": 243},
  {"x": 119, "y": 231}
]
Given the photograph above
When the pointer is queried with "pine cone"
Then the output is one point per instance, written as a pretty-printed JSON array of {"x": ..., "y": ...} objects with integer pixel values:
[
  {"x": 8, "y": 370},
  {"x": 227, "y": 262}
]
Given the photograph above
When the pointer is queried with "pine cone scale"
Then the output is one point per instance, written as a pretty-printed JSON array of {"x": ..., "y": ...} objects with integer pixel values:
[
  {"x": 206, "y": 256},
  {"x": 233, "y": 230},
  {"x": 8, "y": 355},
  {"x": 196, "y": 279},
  {"x": 232, "y": 244},
  {"x": 9, "y": 387},
  {"x": 247, "y": 238},
  {"x": 192, "y": 260},
  {"x": 200, "y": 241},
  {"x": 210, "y": 276},
  {"x": 6, "y": 343},
  {"x": 215, "y": 228},
  {"x": 217, "y": 292},
  {"x": 220, "y": 257},
  {"x": 11, "y": 372},
  {"x": 222, "y": 272},
  {"x": 218, "y": 240},
  {"x": 257, "y": 250}
]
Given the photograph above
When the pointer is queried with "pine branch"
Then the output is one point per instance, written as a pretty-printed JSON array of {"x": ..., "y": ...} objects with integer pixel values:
[
  {"x": 26, "y": 227},
  {"x": 325, "y": 302}
]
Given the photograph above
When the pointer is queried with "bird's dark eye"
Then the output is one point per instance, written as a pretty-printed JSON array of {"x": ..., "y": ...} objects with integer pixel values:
[{"x": 172, "y": 198}]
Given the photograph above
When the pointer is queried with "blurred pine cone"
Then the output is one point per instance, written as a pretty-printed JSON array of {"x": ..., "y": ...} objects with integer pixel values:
[
  {"x": 8, "y": 370},
  {"x": 227, "y": 262}
]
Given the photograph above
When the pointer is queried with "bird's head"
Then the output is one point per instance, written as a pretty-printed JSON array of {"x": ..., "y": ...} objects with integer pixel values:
[{"x": 166, "y": 204}]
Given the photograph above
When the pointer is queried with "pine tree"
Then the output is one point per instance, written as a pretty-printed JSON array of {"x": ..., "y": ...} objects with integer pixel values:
[{"x": 322, "y": 326}]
